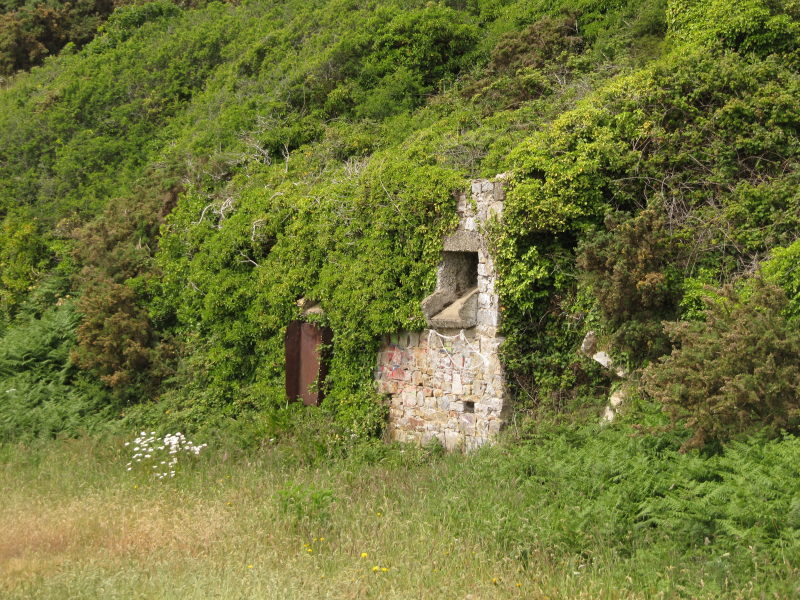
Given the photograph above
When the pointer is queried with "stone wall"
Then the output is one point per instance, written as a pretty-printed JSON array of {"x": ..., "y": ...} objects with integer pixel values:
[
  {"x": 450, "y": 389},
  {"x": 446, "y": 382}
]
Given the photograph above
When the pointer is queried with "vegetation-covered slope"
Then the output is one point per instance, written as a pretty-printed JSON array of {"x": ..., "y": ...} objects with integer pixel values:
[
  {"x": 190, "y": 172},
  {"x": 175, "y": 179}
]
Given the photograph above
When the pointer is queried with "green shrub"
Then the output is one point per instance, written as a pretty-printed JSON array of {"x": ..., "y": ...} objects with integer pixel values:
[
  {"x": 24, "y": 258},
  {"x": 538, "y": 44},
  {"x": 760, "y": 27},
  {"x": 42, "y": 394},
  {"x": 630, "y": 269},
  {"x": 783, "y": 269},
  {"x": 733, "y": 373}
]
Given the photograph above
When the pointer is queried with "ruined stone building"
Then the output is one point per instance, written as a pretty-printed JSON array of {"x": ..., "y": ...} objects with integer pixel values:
[{"x": 446, "y": 381}]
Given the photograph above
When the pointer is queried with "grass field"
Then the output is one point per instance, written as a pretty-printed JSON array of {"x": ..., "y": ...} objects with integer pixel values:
[{"x": 393, "y": 523}]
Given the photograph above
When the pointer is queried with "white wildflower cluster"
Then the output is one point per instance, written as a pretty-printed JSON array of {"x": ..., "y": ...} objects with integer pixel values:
[{"x": 161, "y": 454}]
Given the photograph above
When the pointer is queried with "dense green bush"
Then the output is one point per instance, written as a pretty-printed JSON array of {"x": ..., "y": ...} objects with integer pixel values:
[
  {"x": 783, "y": 269},
  {"x": 733, "y": 372},
  {"x": 704, "y": 140},
  {"x": 630, "y": 269},
  {"x": 761, "y": 27},
  {"x": 32, "y": 30}
]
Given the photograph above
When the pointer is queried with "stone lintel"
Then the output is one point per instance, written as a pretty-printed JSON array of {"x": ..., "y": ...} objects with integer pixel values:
[{"x": 463, "y": 241}]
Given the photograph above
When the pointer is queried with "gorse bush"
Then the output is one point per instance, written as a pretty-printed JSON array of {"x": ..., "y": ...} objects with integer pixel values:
[
  {"x": 735, "y": 371},
  {"x": 628, "y": 270}
]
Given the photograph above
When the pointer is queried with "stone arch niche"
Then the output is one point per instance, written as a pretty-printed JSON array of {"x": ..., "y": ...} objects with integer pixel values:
[{"x": 446, "y": 382}]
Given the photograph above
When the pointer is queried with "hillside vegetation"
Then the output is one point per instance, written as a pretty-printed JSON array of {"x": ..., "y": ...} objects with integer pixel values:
[
  {"x": 179, "y": 182},
  {"x": 174, "y": 176}
]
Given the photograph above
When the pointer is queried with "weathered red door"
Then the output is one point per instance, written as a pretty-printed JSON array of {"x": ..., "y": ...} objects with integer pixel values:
[{"x": 306, "y": 361}]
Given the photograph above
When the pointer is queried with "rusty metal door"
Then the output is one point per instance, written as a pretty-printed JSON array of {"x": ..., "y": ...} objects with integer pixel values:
[{"x": 306, "y": 361}]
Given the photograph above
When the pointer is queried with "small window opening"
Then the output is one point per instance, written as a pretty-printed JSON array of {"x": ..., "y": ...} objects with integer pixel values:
[
  {"x": 459, "y": 272},
  {"x": 469, "y": 407},
  {"x": 454, "y": 304}
]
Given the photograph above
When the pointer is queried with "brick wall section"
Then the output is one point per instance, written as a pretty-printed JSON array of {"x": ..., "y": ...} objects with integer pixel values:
[{"x": 448, "y": 384}]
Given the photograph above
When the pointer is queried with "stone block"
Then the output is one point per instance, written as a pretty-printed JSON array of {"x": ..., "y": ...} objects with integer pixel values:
[
  {"x": 457, "y": 388},
  {"x": 416, "y": 423},
  {"x": 467, "y": 376},
  {"x": 453, "y": 440},
  {"x": 418, "y": 355},
  {"x": 409, "y": 397},
  {"x": 494, "y": 404},
  {"x": 467, "y": 419}
]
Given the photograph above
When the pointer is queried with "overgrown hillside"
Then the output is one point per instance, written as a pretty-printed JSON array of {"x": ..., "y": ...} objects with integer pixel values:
[
  {"x": 174, "y": 176},
  {"x": 171, "y": 189}
]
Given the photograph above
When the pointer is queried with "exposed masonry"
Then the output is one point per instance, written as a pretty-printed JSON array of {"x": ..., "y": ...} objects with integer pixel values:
[{"x": 446, "y": 382}]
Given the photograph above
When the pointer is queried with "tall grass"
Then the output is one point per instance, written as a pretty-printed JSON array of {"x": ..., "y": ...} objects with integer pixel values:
[{"x": 572, "y": 513}]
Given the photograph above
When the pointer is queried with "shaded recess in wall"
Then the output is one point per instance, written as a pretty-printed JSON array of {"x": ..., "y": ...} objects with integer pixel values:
[{"x": 454, "y": 303}]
